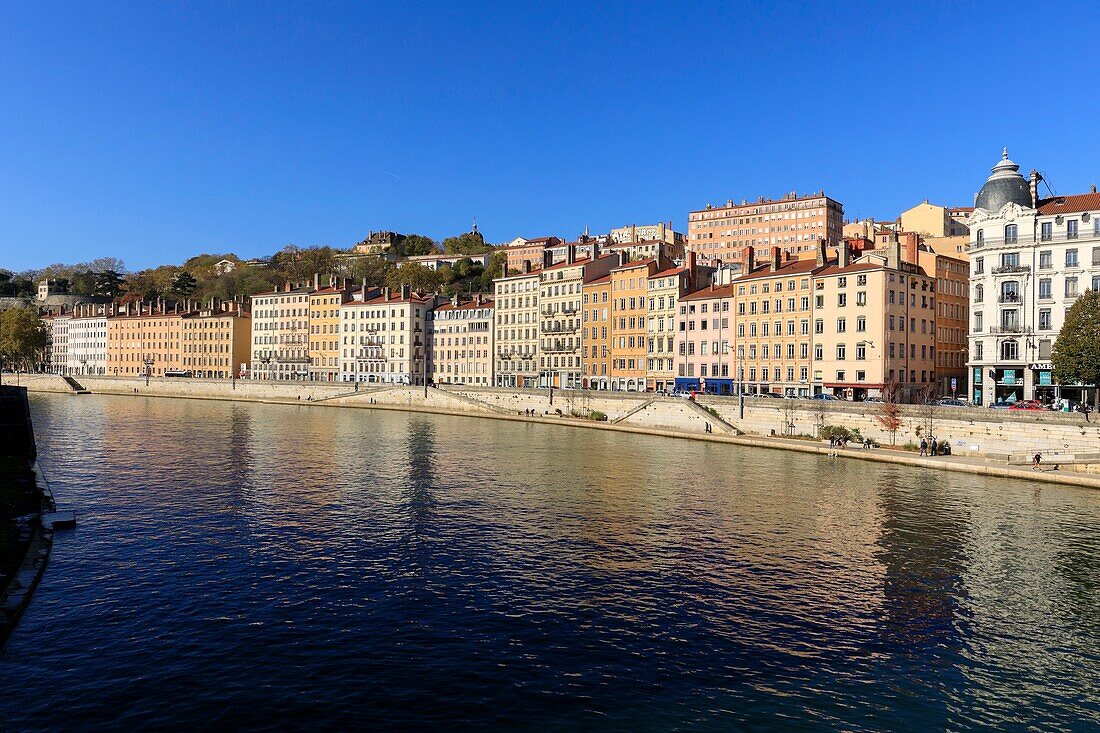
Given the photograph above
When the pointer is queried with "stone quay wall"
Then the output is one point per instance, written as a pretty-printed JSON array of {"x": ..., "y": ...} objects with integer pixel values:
[{"x": 997, "y": 435}]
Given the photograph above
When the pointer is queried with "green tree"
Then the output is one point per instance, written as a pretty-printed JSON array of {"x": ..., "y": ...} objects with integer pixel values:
[
  {"x": 22, "y": 338},
  {"x": 184, "y": 283},
  {"x": 1076, "y": 354},
  {"x": 370, "y": 268},
  {"x": 108, "y": 283},
  {"x": 415, "y": 245},
  {"x": 419, "y": 278},
  {"x": 470, "y": 243}
]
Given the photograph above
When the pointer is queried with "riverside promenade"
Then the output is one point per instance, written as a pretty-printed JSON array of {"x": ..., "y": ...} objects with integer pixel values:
[{"x": 987, "y": 442}]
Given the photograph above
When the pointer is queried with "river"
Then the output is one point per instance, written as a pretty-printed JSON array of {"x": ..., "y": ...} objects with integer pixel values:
[{"x": 268, "y": 566}]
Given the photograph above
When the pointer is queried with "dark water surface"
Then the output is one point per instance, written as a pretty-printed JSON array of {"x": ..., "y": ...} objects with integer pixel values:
[{"x": 261, "y": 566}]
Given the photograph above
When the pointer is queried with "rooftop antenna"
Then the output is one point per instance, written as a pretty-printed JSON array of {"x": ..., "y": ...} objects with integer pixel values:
[{"x": 1047, "y": 182}]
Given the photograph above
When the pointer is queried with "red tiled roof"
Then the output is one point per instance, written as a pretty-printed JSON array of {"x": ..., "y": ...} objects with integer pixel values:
[
  {"x": 722, "y": 291},
  {"x": 466, "y": 305},
  {"x": 574, "y": 263},
  {"x": 636, "y": 264},
  {"x": 666, "y": 273},
  {"x": 792, "y": 267},
  {"x": 1070, "y": 204},
  {"x": 853, "y": 267},
  {"x": 599, "y": 281}
]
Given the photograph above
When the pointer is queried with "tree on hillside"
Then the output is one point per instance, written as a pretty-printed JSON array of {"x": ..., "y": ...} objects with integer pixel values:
[
  {"x": 1076, "y": 353},
  {"x": 183, "y": 284},
  {"x": 889, "y": 416},
  {"x": 108, "y": 283},
  {"x": 372, "y": 269},
  {"x": 418, "y": 277},
  {"x": 415, "y": 245},
  {"x": 470, "y": 243},
  {"x": 22, "y": 338}
]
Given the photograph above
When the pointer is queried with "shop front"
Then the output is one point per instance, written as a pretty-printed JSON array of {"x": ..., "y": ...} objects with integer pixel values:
[
  {"x": 718, "y": 386},
  {"x": 687, "y": 384}
]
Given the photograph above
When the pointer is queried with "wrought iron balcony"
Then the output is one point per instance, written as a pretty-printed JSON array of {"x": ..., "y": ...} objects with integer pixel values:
[{"x": 1010, "y": 269}]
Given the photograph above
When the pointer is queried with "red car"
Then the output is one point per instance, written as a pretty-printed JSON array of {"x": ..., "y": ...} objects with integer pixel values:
[{"x": 1029, "y": 405}]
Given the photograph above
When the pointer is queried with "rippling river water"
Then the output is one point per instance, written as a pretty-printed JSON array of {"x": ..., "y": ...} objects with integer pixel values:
[{"x": 245, "y": 565}]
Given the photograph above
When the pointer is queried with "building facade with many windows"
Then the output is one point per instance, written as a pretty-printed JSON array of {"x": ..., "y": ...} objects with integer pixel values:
[
  {"x": 793, "y": 223},
  {"x": 1030, "y": 259},
  {"x": 462, "y": 342},
  {"x": 383, "y": 340},
  {"x": 280, "y": 334},
  {"x": 516, "y": 332}
]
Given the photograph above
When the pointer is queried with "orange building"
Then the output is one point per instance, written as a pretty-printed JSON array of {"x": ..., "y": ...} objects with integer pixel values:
[
  {"x": 145, "y": 342},
  {"x": 596, "y": 334},
  {"x": 793, "y": 223},
  {"x": 629, "y": 312},
  {"x": 324, "y": 329}
]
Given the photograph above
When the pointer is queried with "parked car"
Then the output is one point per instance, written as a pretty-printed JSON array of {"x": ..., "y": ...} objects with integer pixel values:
[
  {"x": 1030, "y": 405},
  {"x": 952, "y": 402},
  {"x": 873, "y": 399},
  {"x": 824, "y": 396},
  {"x": 1001, "y": 405}
]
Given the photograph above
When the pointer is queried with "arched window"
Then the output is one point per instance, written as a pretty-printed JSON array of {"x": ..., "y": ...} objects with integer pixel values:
[
  {"x": 981, "y": 237},
  {"x": 1010, "y": 234},
  {"x": 979, "y": 293}
]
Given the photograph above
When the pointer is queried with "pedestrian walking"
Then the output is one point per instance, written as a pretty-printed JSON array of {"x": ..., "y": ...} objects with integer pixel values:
[
  {"x": 933, "y": 446},
  {"x": 923, "y": 447},
  {"x": 1036, "y": 461}
]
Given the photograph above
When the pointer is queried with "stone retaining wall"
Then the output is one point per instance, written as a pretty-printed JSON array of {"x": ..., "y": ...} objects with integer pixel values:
[{"x": 994, "y": 434}]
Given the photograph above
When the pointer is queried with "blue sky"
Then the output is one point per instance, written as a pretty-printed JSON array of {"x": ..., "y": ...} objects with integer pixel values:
[{"x": 155, "y": 131}]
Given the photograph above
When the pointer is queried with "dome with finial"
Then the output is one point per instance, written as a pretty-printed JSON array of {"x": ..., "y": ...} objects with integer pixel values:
[{"x": 1004, "y": 186}]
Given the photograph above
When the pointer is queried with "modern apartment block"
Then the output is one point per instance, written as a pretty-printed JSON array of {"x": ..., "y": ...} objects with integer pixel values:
[
  {"x": 516, "y": 332},
  {"x": 793, "y": 223},
  {"x": 559, "y": 327},
  {"x": 280, "y": 334},
  {"x": 462, "y": 342},
  {"x": 216, "y": 341},
  {"x": 383, "y": 339},
  {"x": 1030, "y": 258}
]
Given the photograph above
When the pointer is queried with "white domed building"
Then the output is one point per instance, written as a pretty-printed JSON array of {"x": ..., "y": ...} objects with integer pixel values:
[{"x": 1030, "y": 258}]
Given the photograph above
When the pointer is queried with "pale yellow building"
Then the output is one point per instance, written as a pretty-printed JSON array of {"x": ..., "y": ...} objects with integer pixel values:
[
  {"x": 216, "y": 341},
  {"x": 462, "y": 342},
  {"x": 324, "y": 329},
  {"x": 516, "y": 332}
]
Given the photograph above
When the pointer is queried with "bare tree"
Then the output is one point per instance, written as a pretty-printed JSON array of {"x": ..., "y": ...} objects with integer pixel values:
[
  {"x": 890, "y": 413},
  {"x": 928, "y": 406}
]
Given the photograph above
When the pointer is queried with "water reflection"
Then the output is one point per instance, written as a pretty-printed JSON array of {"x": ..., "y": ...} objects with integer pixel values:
[{"x": 249, "y": 565}]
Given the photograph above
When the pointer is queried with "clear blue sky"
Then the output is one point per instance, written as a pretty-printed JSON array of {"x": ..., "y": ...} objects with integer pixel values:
[{"x": 153, "y": 132}]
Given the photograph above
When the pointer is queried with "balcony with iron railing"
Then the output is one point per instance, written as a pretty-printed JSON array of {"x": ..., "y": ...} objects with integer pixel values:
[
  {"x": 1010, "y": 329},
  {"x": 1007, "y": 298},
  {"x": 1010, "y": 270},
  {"x": 1026, "y": 240}
]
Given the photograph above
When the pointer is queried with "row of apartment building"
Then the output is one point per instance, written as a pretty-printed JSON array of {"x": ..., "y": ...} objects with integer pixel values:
[{"x": 139, "y": 338}]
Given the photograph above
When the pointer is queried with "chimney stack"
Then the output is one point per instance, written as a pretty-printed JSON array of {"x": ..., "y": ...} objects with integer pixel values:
[
  {"x": 893, "y": 254},
  {"x": 526, "y": 267},
  {"x": 596, "y": 249},
  {"x": 570, "y": 253},
  {"x": 1035, "y": 177},
  {"x": 547, "y": 257},
  {"x": 749, "y": 259},
  {"x": 316, "y": 281},
  {"x": 777, "y": 259},
  {"x": 405, "y": 291},
  {"x": 386, "y": 292},
  {"x": 822, "y": 253}
]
